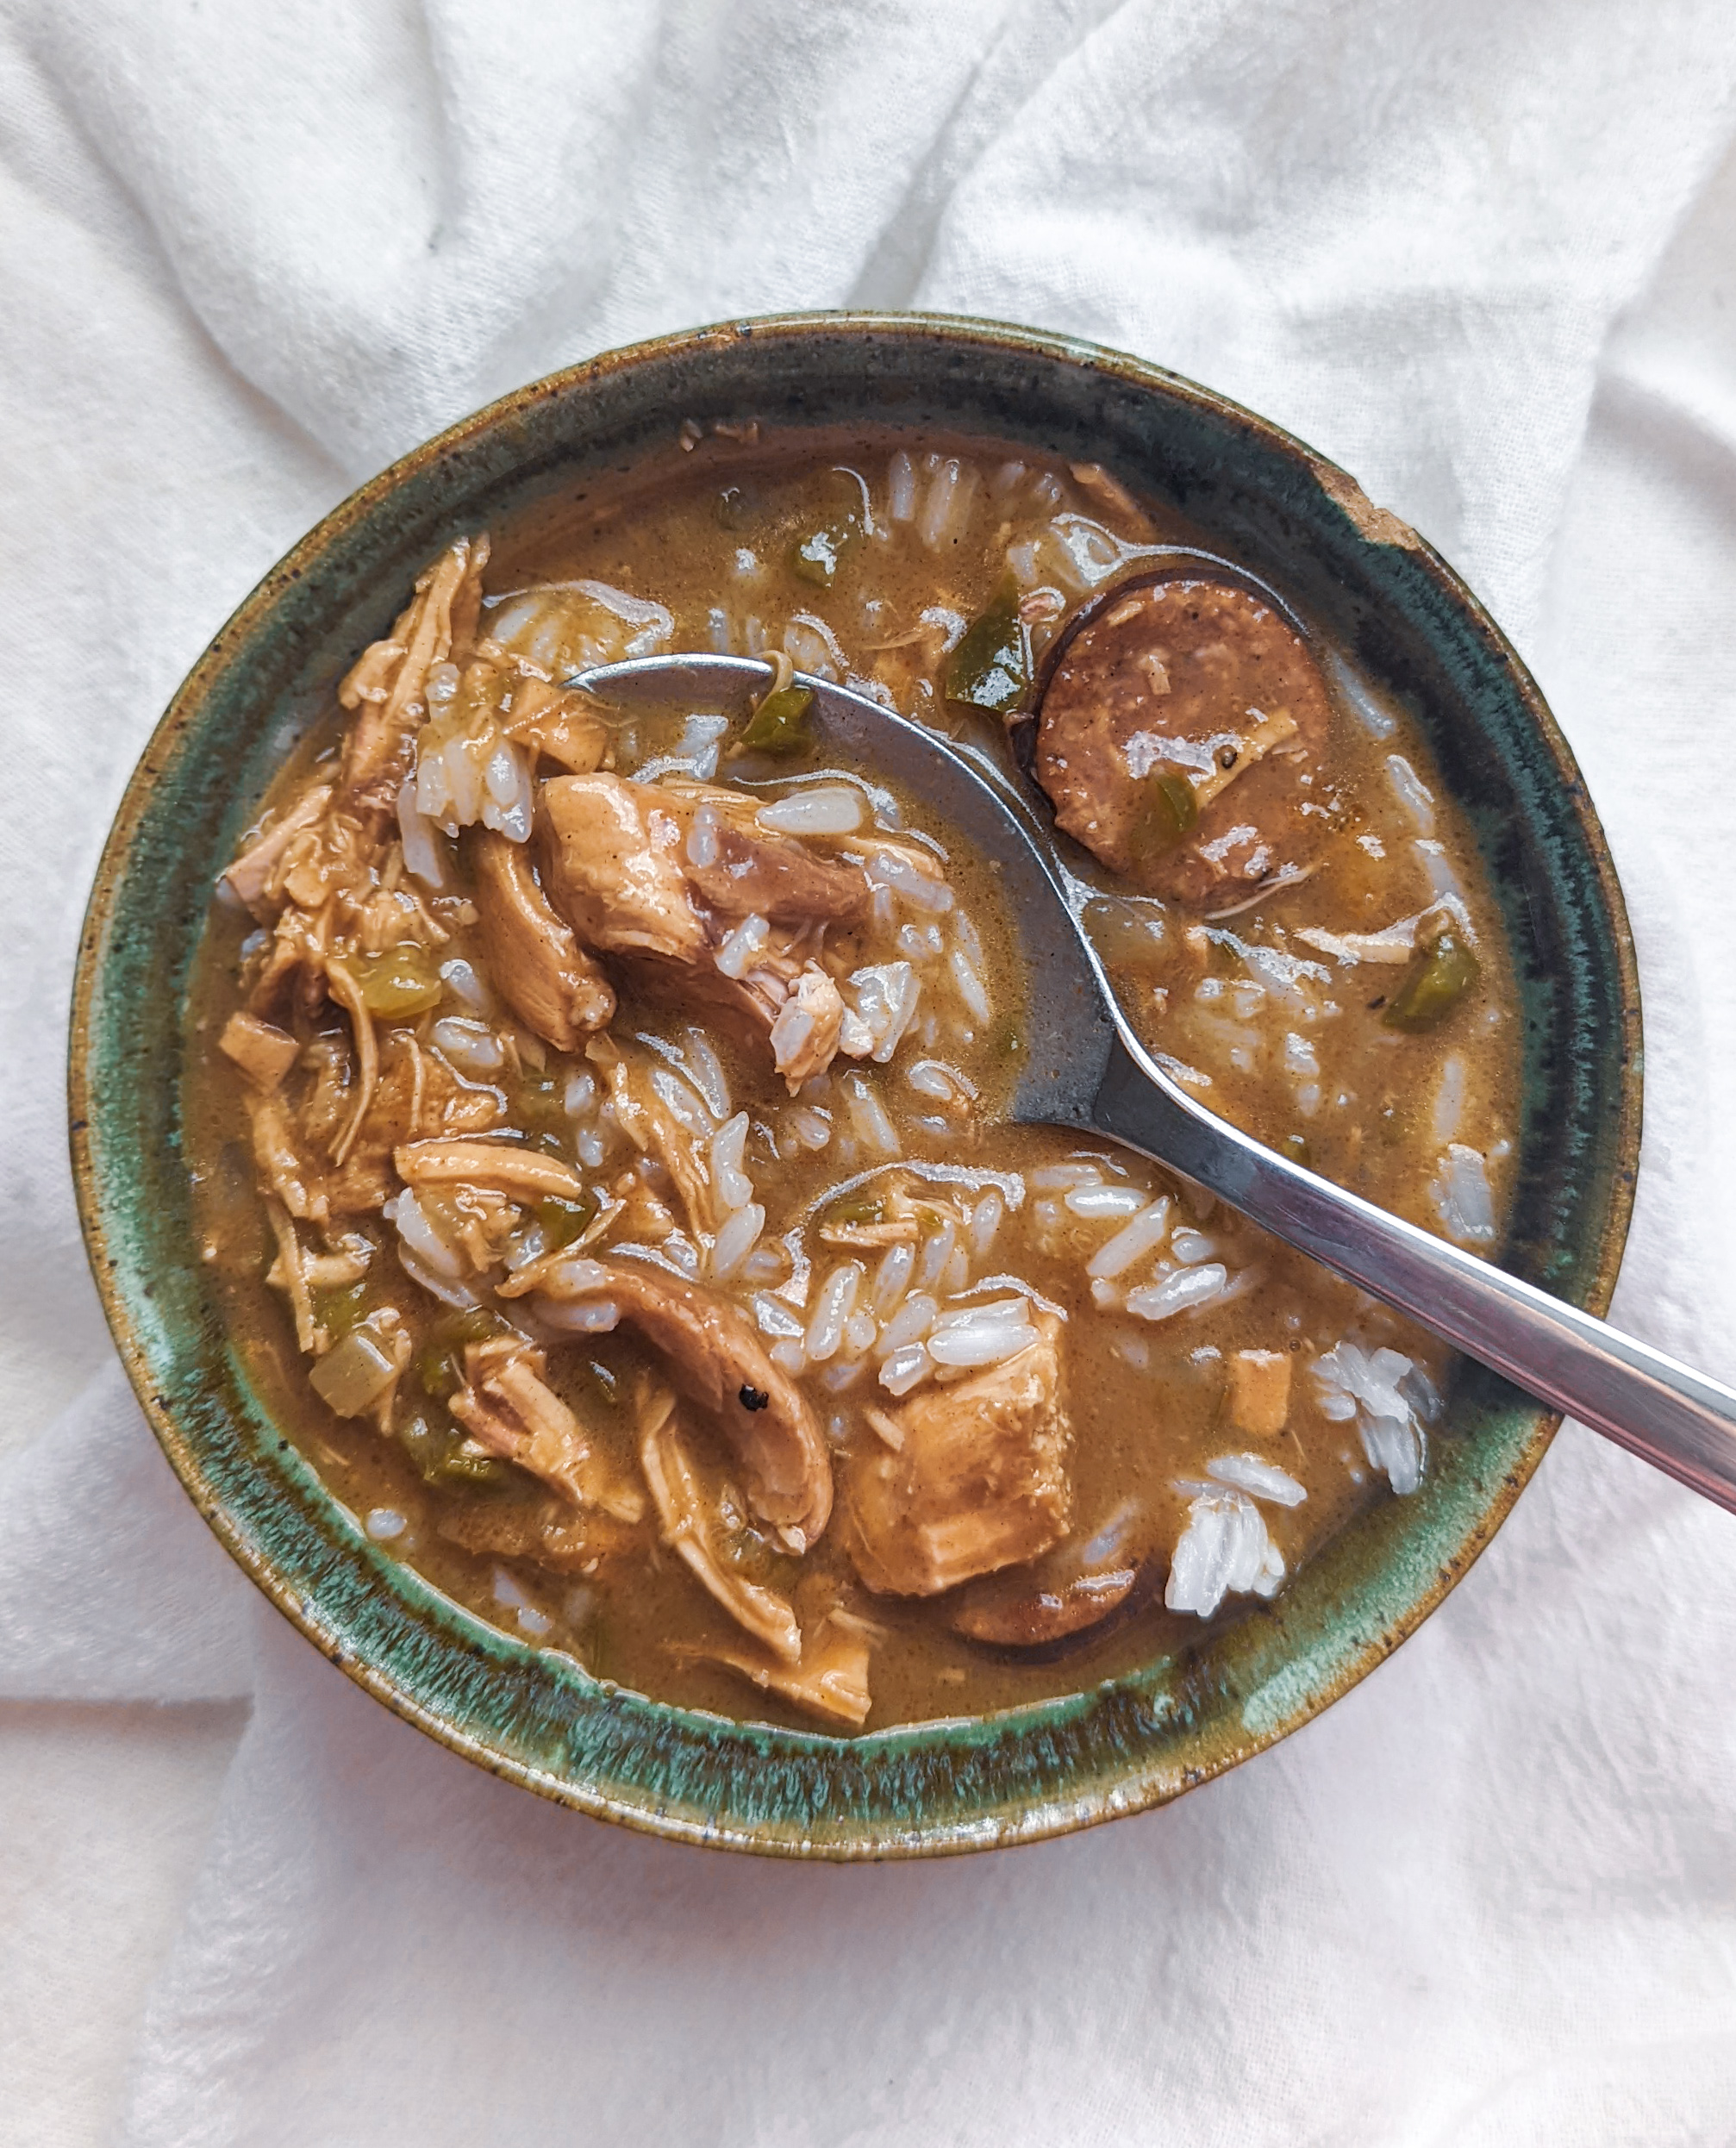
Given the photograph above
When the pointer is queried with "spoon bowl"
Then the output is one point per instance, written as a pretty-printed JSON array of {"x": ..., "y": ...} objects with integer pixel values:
[{"x": 1086, "y": 1068}]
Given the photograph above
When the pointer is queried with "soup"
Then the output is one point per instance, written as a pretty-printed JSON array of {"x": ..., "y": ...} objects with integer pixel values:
[{"x": 598, "y": 1114}]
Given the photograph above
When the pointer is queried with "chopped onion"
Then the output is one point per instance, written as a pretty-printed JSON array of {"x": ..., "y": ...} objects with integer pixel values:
[{"x": 353, "y": 1375}]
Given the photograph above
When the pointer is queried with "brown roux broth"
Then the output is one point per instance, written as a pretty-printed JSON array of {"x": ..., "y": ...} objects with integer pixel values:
[{"x": 1145, "y": 1401}]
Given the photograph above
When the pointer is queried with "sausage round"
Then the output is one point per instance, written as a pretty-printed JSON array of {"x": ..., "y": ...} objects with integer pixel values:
[{"x": 1182, "y": 737}]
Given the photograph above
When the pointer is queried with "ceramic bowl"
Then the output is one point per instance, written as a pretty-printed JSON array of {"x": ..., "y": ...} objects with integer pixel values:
[{"x": 537, "y": 1718}]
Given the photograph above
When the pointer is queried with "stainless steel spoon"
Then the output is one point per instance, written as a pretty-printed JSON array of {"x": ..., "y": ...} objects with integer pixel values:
[{"x": 1085, "y": 1068}]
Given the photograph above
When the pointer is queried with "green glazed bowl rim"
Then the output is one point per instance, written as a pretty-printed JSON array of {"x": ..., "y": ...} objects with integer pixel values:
[{"x": 933, "y": 1788}]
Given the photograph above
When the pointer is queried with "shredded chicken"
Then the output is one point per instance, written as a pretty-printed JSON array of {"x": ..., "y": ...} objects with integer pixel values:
[
  {"x": 830, "y": 1680},
  {"x": 509, "y": 1410},
  {"x": 654, "y": 1130},
  {"x": 533, "y": 960},
  {"x": 501, "y": 1165},
  {"x": 715, "y": 1357},
  {"x": 696, "y": 1531},
  {"x": 388, "y": 695},
  {"x": 977, "y": 1482},
  {"x": 251, "y": 874}
]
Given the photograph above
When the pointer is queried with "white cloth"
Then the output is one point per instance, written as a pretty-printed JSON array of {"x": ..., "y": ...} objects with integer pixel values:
[{"x": 1482, "y": 254}]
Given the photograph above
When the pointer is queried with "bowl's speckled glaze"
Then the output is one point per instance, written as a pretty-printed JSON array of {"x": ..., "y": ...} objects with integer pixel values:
[{"x": 537, "y": 1718}]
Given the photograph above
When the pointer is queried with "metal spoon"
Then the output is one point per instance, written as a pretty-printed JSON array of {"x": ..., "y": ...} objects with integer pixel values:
[{"x": 1086, "y": 1068}]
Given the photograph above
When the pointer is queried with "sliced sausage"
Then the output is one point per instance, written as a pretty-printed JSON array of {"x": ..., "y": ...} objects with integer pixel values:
[{"x": 1181, "y": 736}]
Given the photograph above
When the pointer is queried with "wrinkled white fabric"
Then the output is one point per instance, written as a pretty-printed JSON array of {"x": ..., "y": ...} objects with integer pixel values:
[{"x": 1482, "y": 255}]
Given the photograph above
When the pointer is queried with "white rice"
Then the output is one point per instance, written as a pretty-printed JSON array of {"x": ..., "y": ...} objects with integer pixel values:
[
  {"x": 1137, "y": 1238},
  {"x": 812, "y": 1129},
  {"x": 743, "y": 947},
  {"x": 695, "y": 753},
  {"x": 1174, "y": 1293},
  {"x": 892, "y": 1277},
  {"x": 1224, "y": 1549},
  {"x": 813, "y": 648},
  {"x": 418, "y": 1238},
  {"x": 833, "y": 1307},
  {"x": 733, "y": 1188},
  {"x": 384, "y": 1523},
  {"x": 981, "y": 1334},
  {"x": 417, "y": 834},
  {"x": 1190, "y": 1247},
  {"x": 788, "y": 1356},
  {"x": 736, "y": 1239},
  {"x": 1462, "y": 1198},
  {"x": 1100, "y": 1201},
  {"x": 705, "y": 1072},
  {"x": 579, "y": 1097},
  {"x": 924, "y": 891},
  {"x": 910, "y": 1324},
  {"x": 437, "y": 1286},
  {"x": 701, "y": 838},
  {"x": 1412, "y": 793},
  {"x": 683, "y": 1104},
  {"x": 590, "y": 1316},
  {"x": 968, "y": 980},
  {"x": 905, "y": 1369},
  {"x": 900, "y": 489},
  {"x": 861, "y": 1332},
  {"x": 934, "y": 1078},
  {"x": 1372, "y": 1382},
  {"x": 1444, "y": 880},
  {"x": 775, "y": 1318},
  {"x": 466, "y": 986},
  {"x": 886, "y": 994},
  {"x": 1251, "y": 1473},
  {"x": 945, "y": 512},
  {"x": 937, "y": 1249},
  {"x": 985, "y": 1223},
  {"x": 824, "y": 810},
  {"x": 868, "y": 1116},
  {"x": 1356, "y": 699},
  {"x": 1052, "y": 1178}
]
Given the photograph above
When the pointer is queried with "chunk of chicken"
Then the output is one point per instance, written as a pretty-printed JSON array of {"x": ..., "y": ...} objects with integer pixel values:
[
  {"x": 695, "y": 1529},
  {"x": 831, "y": 1679},
  {"x": 614, "y": 868},
  {"x": 654, "y": 1130},
  {"x": 716, "y": 1358},
  {"x": 1176, "y": 732},
  {"x": 733, "y": 937},
  {"x": 264, "y": 1053},
  {"x": 977, "y": 1481},
  {"x": 533, "y": 960},
  {"x": 508, "y": 1408}
]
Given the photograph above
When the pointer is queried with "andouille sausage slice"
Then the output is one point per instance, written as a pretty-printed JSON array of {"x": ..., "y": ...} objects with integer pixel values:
[{"x": 1181, "y": 737}]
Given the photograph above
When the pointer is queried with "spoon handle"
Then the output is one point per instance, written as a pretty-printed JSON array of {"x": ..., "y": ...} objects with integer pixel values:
[{"x": 1674, "y": 1417}]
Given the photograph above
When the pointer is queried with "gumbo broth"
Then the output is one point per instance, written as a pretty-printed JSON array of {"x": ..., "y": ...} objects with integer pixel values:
[{"x": 596, "y": 1114}]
